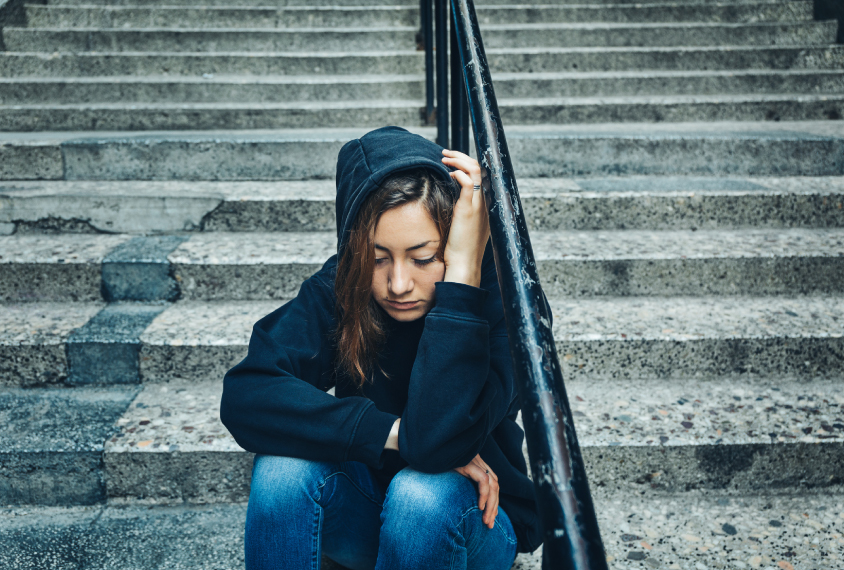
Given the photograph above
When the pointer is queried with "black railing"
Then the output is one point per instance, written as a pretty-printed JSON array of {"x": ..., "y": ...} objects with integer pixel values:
[{"x": 572, "y": 537}]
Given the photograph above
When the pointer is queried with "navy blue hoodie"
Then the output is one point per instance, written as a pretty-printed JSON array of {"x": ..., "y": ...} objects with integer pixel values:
[{"x": 449, "y": 375}]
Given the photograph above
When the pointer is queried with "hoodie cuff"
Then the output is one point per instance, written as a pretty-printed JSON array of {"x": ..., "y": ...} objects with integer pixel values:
[
  {"x": 370, "y": 437},
  {"x": 460, "y": 299}
]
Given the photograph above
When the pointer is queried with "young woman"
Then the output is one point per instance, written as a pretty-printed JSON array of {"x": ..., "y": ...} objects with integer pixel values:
[{"x": 417, "y": 462}]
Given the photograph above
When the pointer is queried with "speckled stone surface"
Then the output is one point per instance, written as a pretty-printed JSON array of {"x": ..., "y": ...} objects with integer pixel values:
[
  {"x": 51, "y": 443},
  {"x": 769, "y": 436},
  {"x": 776, "y": 436},
  {"x": 730, "y": 262},
  {"x": 692, "y": 531},
  {"x": 550, "y": 204},
  {"x": 172, "y": 447},
  {"x": 698, "y": 337},
  {"x": 46, "y": 268},
  {"x": 199, "y": 340},
  {"x": 32, "y": 337},
  {"x": 249, "y": 266}
]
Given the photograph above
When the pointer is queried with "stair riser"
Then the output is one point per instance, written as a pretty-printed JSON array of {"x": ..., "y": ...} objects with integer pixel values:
[
  {"x": 793, "y": 110},
  {"x": 29, "y": 40},
  {"x": 176, "y": 91},
  {"x": 76, "y": 65},
  {"x": 571, "y": 211},
  {"x": 730, "y": 276},
  {"x": 214, "y": 92},
  {"x": 93, "y": 119},
  {"x": 607, "y": 360},
  {"x": 253, "y": 3},
  {"x": 406, "y": 16},
  {"x": 93, "y": 65},
  {"x": 537, "y": 156},
  {"x": 52, "y": 478},
  {"x": 35, "y": 40},
  {"x": 620, "y": 157},
  {"x": 207, "y": 119}
]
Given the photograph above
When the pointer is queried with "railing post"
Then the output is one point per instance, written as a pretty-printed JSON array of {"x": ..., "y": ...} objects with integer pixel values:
[
  {"x": 572, "y": 537},
  {"x": 441, "y": 17},
  {"x": 428, "y": 40},
  {"x": 459, "y": 103}
]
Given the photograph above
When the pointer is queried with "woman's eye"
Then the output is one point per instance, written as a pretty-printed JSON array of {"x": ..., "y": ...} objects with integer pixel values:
[
  {"x": 380, "y": 260},
  {"x": 423, "y": 262}
]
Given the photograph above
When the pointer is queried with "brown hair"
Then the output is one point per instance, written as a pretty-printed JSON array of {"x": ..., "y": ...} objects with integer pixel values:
[{"x": 360, "y": 333}]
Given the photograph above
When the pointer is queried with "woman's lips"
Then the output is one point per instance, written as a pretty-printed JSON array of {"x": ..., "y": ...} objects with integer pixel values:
[{"x": 403, "y": 306}]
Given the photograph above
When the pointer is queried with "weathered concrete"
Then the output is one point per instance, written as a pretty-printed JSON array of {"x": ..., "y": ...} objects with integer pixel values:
[
  {"x": 106, "y": 349},
  {"x": 254, "y": 17},
  {"x": 138, "y": 270},
  {"x": 52, "y": 442}
]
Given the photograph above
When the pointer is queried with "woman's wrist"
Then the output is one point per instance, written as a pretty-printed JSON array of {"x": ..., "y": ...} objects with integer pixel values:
[{"x": 393, "y": 438}]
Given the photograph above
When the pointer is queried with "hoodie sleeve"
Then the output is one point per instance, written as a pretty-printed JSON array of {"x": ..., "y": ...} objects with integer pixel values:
[
  {"x": 273, "y": 401},
  {"x": 462, "y": 382}
]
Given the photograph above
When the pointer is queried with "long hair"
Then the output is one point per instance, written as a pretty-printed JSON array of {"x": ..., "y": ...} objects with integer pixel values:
[{"x": 360, "y": 332}]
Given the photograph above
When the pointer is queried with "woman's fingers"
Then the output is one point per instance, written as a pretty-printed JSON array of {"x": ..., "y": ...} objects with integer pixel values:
[{"x": 488, "y": 489}]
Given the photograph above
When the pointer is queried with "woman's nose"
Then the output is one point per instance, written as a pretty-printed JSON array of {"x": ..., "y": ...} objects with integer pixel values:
[{"x": 400, "y": 280}]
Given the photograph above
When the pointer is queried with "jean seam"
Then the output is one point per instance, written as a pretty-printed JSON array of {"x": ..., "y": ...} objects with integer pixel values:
[
  {"x": 497, "y": 524},
  {"x": 350, "y": 480}
]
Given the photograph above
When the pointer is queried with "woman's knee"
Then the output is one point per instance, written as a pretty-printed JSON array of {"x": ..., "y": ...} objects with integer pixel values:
[
  {"x": 429, "y": 498},
  {"x": 278, "y": 481}
]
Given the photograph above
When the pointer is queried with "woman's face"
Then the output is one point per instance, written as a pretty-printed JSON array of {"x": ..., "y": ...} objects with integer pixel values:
[{"x": 406, "y": 267}]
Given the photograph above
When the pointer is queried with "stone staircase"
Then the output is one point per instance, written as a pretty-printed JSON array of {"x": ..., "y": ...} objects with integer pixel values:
[{"x": 166, "y": 180}]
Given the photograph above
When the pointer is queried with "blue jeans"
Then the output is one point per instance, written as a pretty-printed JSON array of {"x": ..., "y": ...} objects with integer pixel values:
[{"x": 301, "y": 509}]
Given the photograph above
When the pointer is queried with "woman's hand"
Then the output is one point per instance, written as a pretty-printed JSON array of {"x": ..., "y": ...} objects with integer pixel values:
[
  {"x": 479, "y": 472},
  {"x": 469, "y": 232}
]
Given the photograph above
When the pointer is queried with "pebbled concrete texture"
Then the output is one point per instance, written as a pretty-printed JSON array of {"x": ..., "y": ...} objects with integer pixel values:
[
  {"x": 613, "y": 203},
  {"x": 214, "y": 88},
  {"x": 671, "y": 532},
  {"x": 52, "y": 441},
  {"x": 172, "y": 447},
  {"x": 254, "y": 39},
  {"x": 138, "y": 270},
  {"x": 131, "y": 207},
  {"x": 174, "y": 347},
  {"x": 174, "y": 64},
  {"x": 393, "y": 38},
  {"x": 193, "y": 116},
  {"x": 106, "y": 349},
  {"x": 535, "y": 111},
  {"x": 39, "y": 269},
  {"x": 208, "y": 267},
  {"x": 248, "y": 17},
  {"x": 798, "y": 148},
  {"x": 772, "y": 436},
  {"x": 32, "y": 340},
  {"x": 698, "y": 337}
]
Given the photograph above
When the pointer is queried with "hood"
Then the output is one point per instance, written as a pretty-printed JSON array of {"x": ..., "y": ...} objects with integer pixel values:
[{"x": 365, "y": 162}]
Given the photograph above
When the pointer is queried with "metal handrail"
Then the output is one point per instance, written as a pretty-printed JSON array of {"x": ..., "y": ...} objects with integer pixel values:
[{"x": 572, "y": 539}]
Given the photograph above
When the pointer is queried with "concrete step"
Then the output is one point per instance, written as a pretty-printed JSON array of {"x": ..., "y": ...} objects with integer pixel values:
[
  {"x": 244, "y": 88},
  {"x": 339, "y": 16},
  {"x": 51, "y": 444},
  {"x": 516, "y": 60},
  {"x": 282, "y": 3},
  {"x": 676, "y": 108},
  {"x": 257, "y": 39},
  {"x": 275, "y": 89},
  {"x": 242, "y": 266},
  {"x": 174, "y": 64},
  {"x": 598, "y": 339},
  {"x": 612, "y": 149},
  {"x": 655, "y": 203},
  {"x": 689, "y": 530},
  {"x": 371, "y": 114},
  {"x": 292, "y": 115},
  {"x": 392, "y": 38},
  {"x": 169, "y": 445}
]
